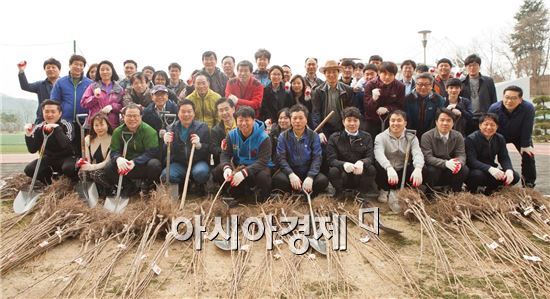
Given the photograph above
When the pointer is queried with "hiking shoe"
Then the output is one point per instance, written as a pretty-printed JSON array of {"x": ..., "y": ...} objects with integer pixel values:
[
  {"x": 383, "y": 196},
  {"x": 393, "y": 202}
]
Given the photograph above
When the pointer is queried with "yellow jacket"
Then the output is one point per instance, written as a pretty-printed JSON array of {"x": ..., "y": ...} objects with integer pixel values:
[{"x": 205, "y": 108}]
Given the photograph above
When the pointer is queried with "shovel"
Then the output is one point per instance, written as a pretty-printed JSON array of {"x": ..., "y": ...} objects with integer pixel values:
[
  {"x": 319, "y": 245},
  {"x": 85, "y": 189},
  {"x": 118, "y": 203},
  {"x": 25, "y": 200},
  {"x": 169, "y": 121},
  {"x": 187, "y": 175},
  {"x": 407, "y": 150},
  {"x": 383, "y": 122}
]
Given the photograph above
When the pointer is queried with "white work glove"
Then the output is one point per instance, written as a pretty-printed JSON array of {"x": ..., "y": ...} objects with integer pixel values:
[
  {"x": 358, "y": 168},
  {"x": 451, "y": 106},
  {"x": 392, "y": 176},
  {"x": 233, "y": 99},
  {"x": 497, "y": 173},
  {"x": 196, "y": 140},
  {"x": 87, "y": 166},
  {"x": 97, "y": 92},
  {"x": 307, "y": 94},
  {"x": 287, "y": 86},
  {"x": 237, "y": 179},
  {"x": 295, "y": 181},
  {"x": 161, "y": 133},
  {"x": 227, "y": 174},
  {"x": 454, "y": 165},
  {"x": 308, "y": 185},
  {"x": 508, "y": 177},
  {"x": 348, "y": 167},
  {"x": 322, "y": 138},
  {"x": 416, "y": 177},
  {"x": 28, "y": 128},
  {"x": 122, "y": 165},
  {"x": 375, "y": 94},
  {"x": 268, "y": 123},
  {"x": 168, "y": 137},
  {"x": 48, "y": 128},
  {"x": 529, "y": 150},
  {"x": 382, "y": 110},
  {"x": 107, "y": 109}
]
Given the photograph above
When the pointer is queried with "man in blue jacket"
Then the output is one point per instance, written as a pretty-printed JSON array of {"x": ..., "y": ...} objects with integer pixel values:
[
  {"x": 422, "y": 104},
  {"x": 299, "y": 156},
  {"x": 482, "y": 147},
  {"x": 516, "y": 118},
  {"x": 189, "y": 132},
  {"x": 68, "y": 91},
  {"x": 42, "y": 88},
  {"x": 246, "y": 159}
]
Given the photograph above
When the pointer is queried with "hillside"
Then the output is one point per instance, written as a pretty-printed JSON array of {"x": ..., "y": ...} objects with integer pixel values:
[{"x": 24, "y": 108}]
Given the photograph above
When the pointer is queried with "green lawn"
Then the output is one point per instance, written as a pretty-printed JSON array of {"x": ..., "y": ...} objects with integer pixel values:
[{"x": 12, "y": 143}]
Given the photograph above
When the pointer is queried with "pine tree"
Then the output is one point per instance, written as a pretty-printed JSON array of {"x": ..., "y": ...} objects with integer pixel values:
[{"x": 530, "y": 41}]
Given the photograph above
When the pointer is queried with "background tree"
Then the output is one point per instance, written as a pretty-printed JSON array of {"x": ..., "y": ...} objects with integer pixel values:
[{"x": 529, "y": 41}]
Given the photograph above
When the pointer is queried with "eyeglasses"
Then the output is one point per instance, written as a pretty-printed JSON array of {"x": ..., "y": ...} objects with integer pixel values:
[
  {"x": 423, "y": 84},
  {"x": 132, "y": 116}
]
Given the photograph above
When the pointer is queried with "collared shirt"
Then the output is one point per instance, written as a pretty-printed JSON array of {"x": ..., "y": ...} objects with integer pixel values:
[
  {"x": 333, "y": 103},
  {"x": 311, "y": 82},
  {"x": 408, "y": 86},
  {"x": 229, "y": 128}
]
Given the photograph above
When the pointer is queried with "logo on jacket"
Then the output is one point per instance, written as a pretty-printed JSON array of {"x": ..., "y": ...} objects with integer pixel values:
[{"x": 253, "y": 153}]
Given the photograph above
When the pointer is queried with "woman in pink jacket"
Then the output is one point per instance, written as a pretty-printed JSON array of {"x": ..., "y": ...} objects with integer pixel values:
[{"x": 105, "y": 94}]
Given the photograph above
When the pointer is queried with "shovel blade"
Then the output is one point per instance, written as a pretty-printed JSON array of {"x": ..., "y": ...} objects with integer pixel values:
[
  {"x": 319, "y": 246},
  {"x": 88, "y": 192},
  {"x": 223, "y": 244},
  {"x": 24, "y": 201},
  {"x": 173, "y": 190},
  {"x": 116, "y": 205}
]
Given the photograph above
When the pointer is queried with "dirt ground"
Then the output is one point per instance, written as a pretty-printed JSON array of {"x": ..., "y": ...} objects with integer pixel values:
[{"x": 386, "y": 266}]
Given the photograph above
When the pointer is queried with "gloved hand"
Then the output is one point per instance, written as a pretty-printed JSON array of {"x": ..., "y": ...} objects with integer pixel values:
[
  {"x": 348, "y": 167},
  {"x": 196, "y": 140},
  {"x": 227, "y": 173},
  {"x": 382, "y": 111},
  {"x": 508, "y": 177},
  {"x": 295, "y": 181},
  {"x": 48, "y": 128},
  {"x": 122, "y": 165},
  {"x": 22, "y": 65},
  {"x": 223, "y": 145},
  {"x": 307, "y": 94},
  {"x": 454, "y": 165},
  {"x": 28, "y": 128},
  {"x": 451, "y": 106},
  {"x": 308, "y": 185},
  {"x": 528, "y": 150},
  {"x": 322, "y": 138},
  {"x": 233, "y": 99},
  {"x": 358, "y": 167},
  {"x": 456, "y": 112},
  {"x": 268, "y": 122},
  {"x": 80, "y": 162},
  {"x": 375, "y": 94},
  {"x": 497, "y": 173},
  {"x": 87, "y": 166},
  {"x": 238, "y": 178},
  {"x": 392, "y": 176},
  {"x": 287, "y": 86},
  {"x": 168, "y": 137},
  {"x": 107, "y": 109},
  {"x": 97, "y": 91},
  {"x": 161, "y": 133},
  {"x": 416, "y": 177}
]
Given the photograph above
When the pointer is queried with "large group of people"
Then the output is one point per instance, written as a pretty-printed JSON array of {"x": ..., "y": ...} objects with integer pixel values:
[{"x": 264, "y": 129}]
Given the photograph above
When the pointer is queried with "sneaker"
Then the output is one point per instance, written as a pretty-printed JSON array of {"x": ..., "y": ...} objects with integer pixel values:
[
  {"x": 383, "y": 196},
  {"x": 393, "y": 202}
]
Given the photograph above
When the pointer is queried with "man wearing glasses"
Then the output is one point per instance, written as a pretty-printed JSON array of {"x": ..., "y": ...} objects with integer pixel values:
[
  {"x": 516, "y": 118},
  {"x": 422, "y": 105}
]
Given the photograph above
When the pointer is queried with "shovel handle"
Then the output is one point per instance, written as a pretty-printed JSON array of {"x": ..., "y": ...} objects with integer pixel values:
[
  {"x": 187, "y": 175},
  {"x": 325, "y": 120}
]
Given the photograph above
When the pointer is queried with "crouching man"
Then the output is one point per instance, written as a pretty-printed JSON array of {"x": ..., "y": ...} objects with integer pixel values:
[
  {"x": 189, "y": 132},
  {"x": 350, "y": 156},
  {"x": 299, "y": 156},
  {"x": 445, "y": 155},
  {"x": 482, "y": 147},
  {"x": 140, "y": 161},
  {"x": 246, "y": 159},
  {"x": 58, "y": 153}
]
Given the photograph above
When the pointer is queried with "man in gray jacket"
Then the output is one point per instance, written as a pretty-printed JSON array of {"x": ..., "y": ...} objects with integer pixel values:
[{"x": 445, "y": 155}]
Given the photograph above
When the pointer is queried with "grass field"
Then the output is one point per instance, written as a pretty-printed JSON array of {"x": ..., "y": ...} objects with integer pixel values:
[{"x": 12, "y": 143}]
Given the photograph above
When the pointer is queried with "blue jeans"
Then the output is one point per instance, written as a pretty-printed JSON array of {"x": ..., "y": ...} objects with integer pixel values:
[{"x": 200, "y": 173}]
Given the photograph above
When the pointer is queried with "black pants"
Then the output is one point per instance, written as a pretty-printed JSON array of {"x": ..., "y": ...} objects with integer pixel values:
[
  {"x": 528, "y": 168},
  {"x": 478, "y": 178},
  {"x": 65, "y": 166},
  {"x": 282, "y": 182},
  {"x": 374, "y": 127},
  {"x": 149, "y": 172},
  {"x": 341, "y": 179},
  {"x": 261, "y": 179},
  {"x": 435, "y": 176},
  {"x": 382, "y": 177}
]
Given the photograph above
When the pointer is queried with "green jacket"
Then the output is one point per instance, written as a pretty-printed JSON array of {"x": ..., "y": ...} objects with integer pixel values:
[
  {"x": 143, "y": 146},
  {"x": 205, "y": 108}
]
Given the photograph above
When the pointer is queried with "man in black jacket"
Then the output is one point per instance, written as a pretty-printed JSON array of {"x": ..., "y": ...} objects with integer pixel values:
[
  {"x": 482, "y": 147},
  {"x": 58, "y": 155},
  {"x": 351, "y": 156},
  {"x": 226, "y": 109}
]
